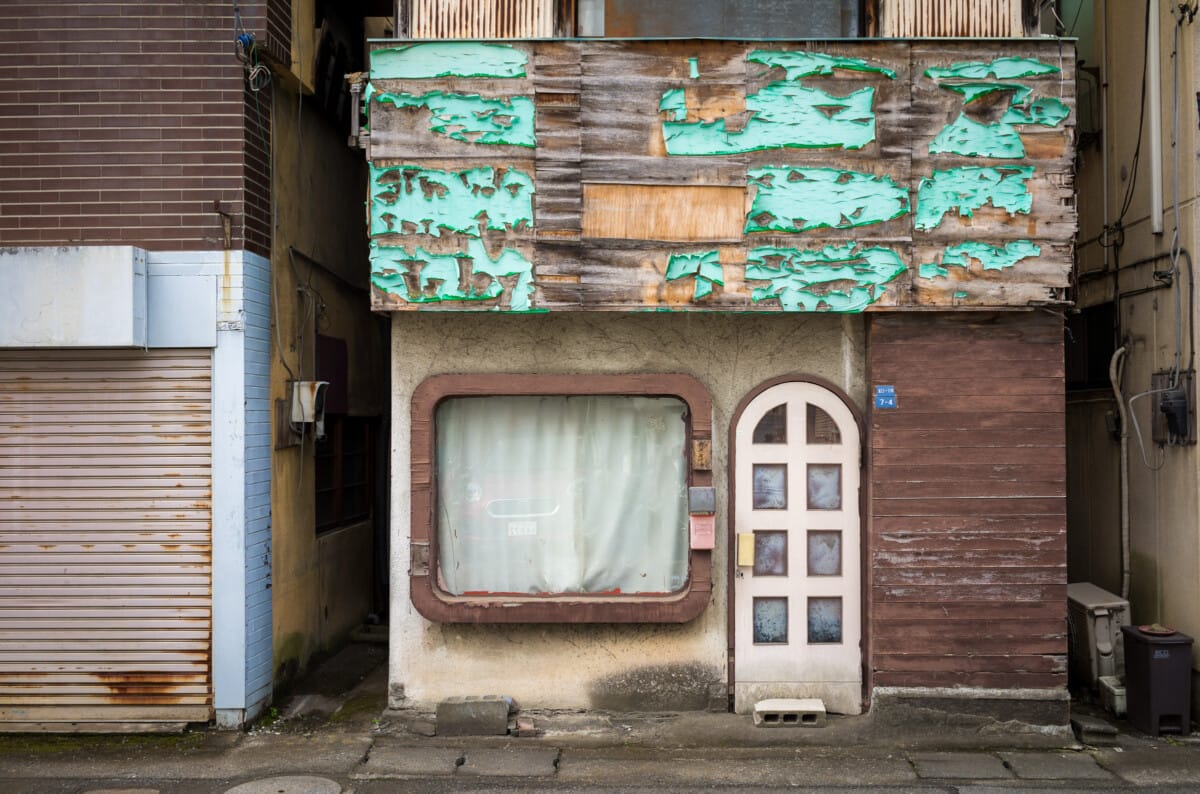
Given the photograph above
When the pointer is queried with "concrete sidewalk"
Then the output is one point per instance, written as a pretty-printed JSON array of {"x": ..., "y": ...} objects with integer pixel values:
[{"x": 327, "y": 741}]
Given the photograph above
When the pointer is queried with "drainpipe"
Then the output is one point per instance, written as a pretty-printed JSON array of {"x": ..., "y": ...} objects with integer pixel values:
[
  {"x": 1154, "y": 97},
  {"x": 1105, "y": 125},
  {"x": 1116, "y": 368}
]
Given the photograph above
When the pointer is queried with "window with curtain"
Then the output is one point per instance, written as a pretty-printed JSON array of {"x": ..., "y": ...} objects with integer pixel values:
[{"x": 562, "y": 494}]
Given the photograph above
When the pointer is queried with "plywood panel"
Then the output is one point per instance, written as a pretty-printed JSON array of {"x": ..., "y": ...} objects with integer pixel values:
[{"x": 673, "y": 213}]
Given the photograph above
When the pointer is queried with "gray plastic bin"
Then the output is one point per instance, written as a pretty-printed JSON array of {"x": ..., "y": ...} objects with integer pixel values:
[{"x": 1158, "y": 681}]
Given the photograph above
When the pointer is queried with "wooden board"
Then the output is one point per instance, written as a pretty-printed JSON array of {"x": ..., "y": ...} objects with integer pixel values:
[
  {"x": 968, "y": 509},
  {"x": 836, "y": 151}
]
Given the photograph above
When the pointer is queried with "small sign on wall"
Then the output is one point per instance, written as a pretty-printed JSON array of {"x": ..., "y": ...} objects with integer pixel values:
[
  {"x": 703, "y": 531},
  {"x": 885, "y": 397}
]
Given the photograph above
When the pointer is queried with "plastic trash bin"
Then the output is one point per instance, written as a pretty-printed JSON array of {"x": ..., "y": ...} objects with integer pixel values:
[{"x": 1158, "y": 680}]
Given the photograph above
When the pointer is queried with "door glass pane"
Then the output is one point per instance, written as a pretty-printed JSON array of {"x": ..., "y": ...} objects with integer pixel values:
[
  {"x": 770, "y": 486},
  {"x": 772, "y": 428},
  {"x": 821, "y": 427},
  {"x": 824, "y": 553},
  {"x": 824, "y": 620},
  {"x": 770, "y": 553},
  {"x": 770, "y": 620},
  {"x": 824, "y": 486}
]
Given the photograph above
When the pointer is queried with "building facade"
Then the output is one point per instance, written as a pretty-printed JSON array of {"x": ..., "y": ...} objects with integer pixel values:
[
  {"x": 172, "y": 548},
  {"x": 726, "y": 370}
]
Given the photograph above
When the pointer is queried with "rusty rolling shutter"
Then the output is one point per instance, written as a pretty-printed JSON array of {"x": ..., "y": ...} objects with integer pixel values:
[
  {"x": 105, "y": 538},
  {"x": 951, "y": 18},
  {"x": 482, "y": 19}
]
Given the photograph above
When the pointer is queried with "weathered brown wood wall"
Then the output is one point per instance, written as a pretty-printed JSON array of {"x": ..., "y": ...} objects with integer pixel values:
[
  {"x": 967, "y": 504},
  {"x": 617, "y": 219}
]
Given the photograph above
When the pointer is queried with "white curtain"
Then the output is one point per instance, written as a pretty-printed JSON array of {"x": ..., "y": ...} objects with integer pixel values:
[{"x": 553, "y": 494}]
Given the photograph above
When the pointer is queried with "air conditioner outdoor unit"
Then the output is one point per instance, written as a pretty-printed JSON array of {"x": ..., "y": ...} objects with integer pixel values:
[{"x": 1097, "y": 650}]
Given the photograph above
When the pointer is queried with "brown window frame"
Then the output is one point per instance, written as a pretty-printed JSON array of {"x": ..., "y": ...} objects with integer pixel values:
[{"x": 436, "y": 605}]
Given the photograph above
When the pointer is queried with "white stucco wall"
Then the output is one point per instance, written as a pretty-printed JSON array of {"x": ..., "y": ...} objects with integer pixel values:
[{"x": 591, "y": 666}]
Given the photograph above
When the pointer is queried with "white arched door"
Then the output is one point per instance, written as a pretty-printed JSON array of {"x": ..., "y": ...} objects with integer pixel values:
[{"x": 797, "y": 590}]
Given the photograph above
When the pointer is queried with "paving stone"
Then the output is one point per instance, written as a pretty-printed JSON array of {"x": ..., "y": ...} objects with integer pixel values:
[
  {"x": 387, "y": 760},
  {"x": 509, "y": 762},
  {"x": 296, "y": 784},
  {"x": 960, "y": 766},
  {"x": 1054, "y": 766}
]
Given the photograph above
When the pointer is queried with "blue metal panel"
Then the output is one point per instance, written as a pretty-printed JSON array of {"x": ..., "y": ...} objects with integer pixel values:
[{"x": 257, "y": 317}]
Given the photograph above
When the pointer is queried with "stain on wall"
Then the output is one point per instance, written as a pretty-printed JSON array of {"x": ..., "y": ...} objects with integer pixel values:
[{"x": 667, "y": 687}]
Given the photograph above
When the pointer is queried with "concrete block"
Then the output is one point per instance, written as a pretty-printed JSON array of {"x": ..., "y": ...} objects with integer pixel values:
[
  {"x": 1094, "y": 731},
  {"x": 1112, "y": 694},
  {"x": 474, "y": 715},
  {"x": 789, "y": 713}
]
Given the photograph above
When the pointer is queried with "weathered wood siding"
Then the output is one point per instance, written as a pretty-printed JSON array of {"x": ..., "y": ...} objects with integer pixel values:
[
  {"x": 967, "y": 502},
  {"x": 720, "y": 175}
]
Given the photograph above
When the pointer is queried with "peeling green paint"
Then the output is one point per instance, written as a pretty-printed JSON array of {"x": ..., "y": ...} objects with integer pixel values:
[
  {"x": 964, "y": 190},
  {"x": 694, "y": 68},
  {"x": 959, "y": 296},
  {"x": 791, "y": 199},
  {"x": 782, "y": 115},
  {"x": 843, "y": 278},
  {"x": 808, "y": 64},
  {"x": 418, "y": 276},
  {"x": 999, "y": 139},
  {"x": 932, "y": 270},
  {"x": 674, "y": 103},
  {"x": 991, "y": 257},
  {"x": 1001, "y": 68},
  {"x": 409, "y": 199},
  {"x": 704, "y": 265},
  {"x": 447, "y": 59},
  {"x": 472, "y": 118}
]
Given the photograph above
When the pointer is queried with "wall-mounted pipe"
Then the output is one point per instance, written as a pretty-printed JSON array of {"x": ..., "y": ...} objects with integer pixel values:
[
  {"x": 1116, "y": 368},
  {"x": 1154, "y": 111}
]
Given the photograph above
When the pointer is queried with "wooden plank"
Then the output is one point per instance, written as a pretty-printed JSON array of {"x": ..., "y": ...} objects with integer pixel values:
[{"x": 676, "y": 213}]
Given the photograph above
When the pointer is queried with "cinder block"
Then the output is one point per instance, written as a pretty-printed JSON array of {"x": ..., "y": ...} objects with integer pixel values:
[
  {"x": 474, "y": 715},
  {"x": 789, "y": 713}
]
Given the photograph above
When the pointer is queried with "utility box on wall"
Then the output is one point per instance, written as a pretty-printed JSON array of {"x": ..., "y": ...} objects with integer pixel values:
[{"x": 1095, "y": 618}]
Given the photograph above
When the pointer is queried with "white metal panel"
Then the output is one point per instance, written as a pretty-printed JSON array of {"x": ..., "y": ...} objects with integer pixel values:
[
  {"x": 105, "y": 537},
  {"x": 481, "y": 19},
  {"x": 952, "y": 18},
  {"x": 83, "y": 296}
]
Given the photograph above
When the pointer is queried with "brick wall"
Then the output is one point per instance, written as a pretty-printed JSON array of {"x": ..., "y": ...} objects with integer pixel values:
[
  {"x": 124, "y": 122},
  {"x": 968, "y": 516}
]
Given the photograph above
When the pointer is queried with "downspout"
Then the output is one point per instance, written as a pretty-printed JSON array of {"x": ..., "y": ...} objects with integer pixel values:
[
  {"x": 1104, "y": 139},
  {"x": 1116, "y": 368},
  {"x": 1154, "y": 112}
]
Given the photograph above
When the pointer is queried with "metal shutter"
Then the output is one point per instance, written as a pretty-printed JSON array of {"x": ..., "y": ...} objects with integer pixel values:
[{"x": 105, "y": 538}]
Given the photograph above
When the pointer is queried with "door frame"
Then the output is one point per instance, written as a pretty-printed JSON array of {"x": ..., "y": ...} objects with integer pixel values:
[{"x": 864, "y": 519}]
